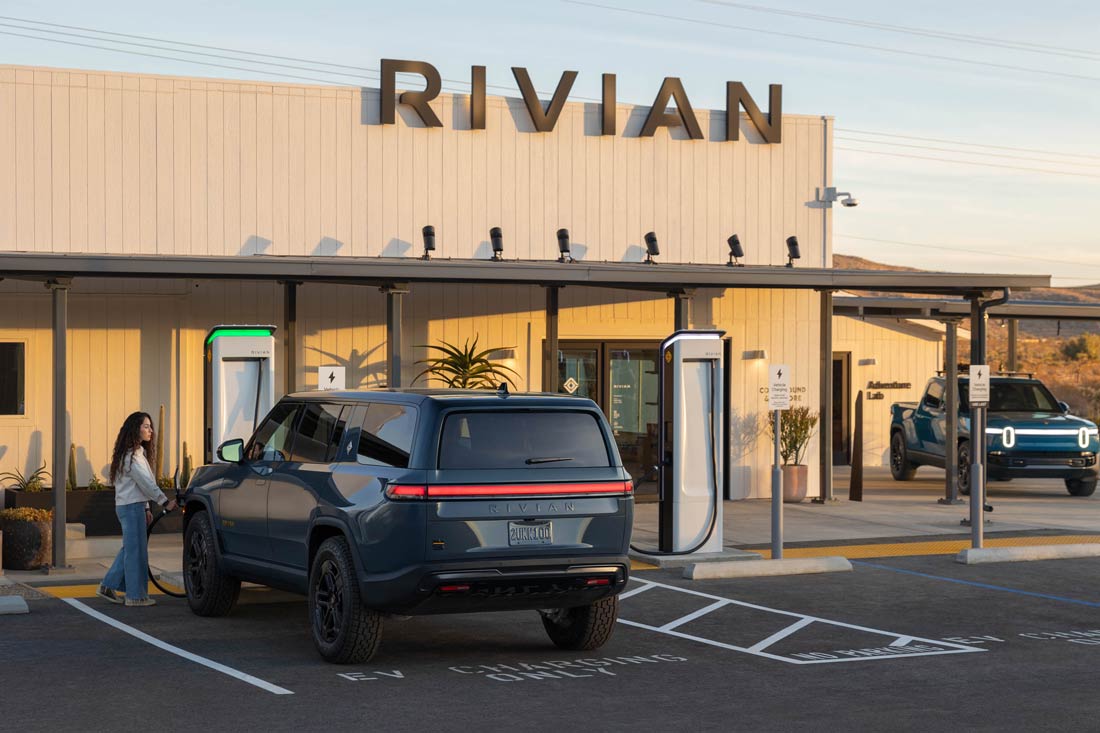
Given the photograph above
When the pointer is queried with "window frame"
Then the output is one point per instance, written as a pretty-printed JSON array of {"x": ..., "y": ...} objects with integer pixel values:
[{"x": 25, "y": 417}]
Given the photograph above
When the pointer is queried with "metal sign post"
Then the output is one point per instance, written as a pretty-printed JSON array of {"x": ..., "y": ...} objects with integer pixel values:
[
  {"x": 979, "y": 399},
  {"x": 779, "y": 399}
]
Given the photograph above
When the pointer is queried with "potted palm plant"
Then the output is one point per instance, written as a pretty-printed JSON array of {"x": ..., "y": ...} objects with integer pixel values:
[
  {"x": 796, "y": 427},
  {"x": 465, "y": 367}
]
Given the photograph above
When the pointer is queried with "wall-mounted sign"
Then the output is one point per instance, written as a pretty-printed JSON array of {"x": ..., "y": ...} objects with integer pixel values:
[
  {"x": 889, "y": 385},
  {"x": 737, "y": 98},
  {"x": 330, "y": 377}
]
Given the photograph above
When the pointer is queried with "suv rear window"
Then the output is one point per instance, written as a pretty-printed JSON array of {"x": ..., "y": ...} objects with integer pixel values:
[{"x": 522, "y": 439}]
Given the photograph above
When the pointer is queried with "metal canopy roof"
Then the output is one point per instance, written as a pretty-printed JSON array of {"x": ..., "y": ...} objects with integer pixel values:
[
  {"x": 941, "y": 309},
  {"x": 385, "y": 270}
]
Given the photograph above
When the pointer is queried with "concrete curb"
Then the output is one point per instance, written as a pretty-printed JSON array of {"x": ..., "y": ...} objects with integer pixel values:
[
  {"x": 1022, "y": 554},
  {"x": 793, "y": 566},
  {"x": 680, "y": 561},
  {"x": 12, "y": 605}
]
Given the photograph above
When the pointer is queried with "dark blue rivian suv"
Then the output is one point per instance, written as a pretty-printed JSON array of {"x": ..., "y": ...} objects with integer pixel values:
[{"x": 408, "y": 502}]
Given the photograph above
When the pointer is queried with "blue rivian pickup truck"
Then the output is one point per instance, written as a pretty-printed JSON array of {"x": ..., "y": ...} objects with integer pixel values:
[{"x": 1029, "y": 434}]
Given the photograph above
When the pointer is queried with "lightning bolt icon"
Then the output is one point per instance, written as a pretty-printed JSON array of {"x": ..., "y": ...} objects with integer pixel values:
[
  {"x": 331, "y": 377},
  {"x": 779, "y": 374}
]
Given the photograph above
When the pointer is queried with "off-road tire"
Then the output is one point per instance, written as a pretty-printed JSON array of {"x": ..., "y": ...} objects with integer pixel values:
[
  {"x": 900, "y": 466},
  {"x": 964, "y": 468},
  {"x": 210, "y": 591},
  {"x": 1080, "y": 486},
  {"x": 583, "y": 627},
  {"x": 343, "y": 631}
]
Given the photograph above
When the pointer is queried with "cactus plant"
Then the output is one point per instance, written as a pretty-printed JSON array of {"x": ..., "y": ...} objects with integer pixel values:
[
  {"x": 70, "y": 480},
  {"x": 185, "y": 478},
  {"x": 159, "y": 472}
]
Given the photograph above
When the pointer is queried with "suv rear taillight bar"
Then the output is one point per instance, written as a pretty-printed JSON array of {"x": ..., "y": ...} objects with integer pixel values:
[{"x": 485, "y": 491}]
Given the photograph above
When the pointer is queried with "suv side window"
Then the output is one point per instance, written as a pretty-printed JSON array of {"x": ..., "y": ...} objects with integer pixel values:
[
  {"x": 315, "y": 432},
  {"x": 385, "y": 434},
  {"x": 272, "y": 441},
  {"x": 933, "y": 398}
]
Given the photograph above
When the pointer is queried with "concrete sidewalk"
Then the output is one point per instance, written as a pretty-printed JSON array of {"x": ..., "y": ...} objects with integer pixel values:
[{"x": 890, "y": 511}]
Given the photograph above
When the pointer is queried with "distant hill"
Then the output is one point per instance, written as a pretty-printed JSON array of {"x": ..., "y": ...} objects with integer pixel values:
[
  {"x": 1042, "y": 347},
  {"x": 1040, "y": 329}
]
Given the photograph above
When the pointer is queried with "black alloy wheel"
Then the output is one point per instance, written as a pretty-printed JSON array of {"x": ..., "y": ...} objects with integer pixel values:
[
  {"x": 900, "y": 467},
  {"x": 210, "y": 591},
  {"x": 328, "y": 606},
  {"x": 343, "y": 630}
]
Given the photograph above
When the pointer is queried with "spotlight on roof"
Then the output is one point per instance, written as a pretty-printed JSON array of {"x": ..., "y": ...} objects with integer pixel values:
[
  {"x": 651, "y": 248},
  {"x": 563, "y": 246},
  {"x": 496, "y": 236},
  {"x": 736, "y": 252},
  {"x": 429, "y": 241},
  {"x": 792, "y": 250}
]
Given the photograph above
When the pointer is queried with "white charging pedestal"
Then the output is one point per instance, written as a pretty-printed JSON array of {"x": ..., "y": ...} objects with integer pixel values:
[
  {"x": 691, "y": 439},
  {"x": 239, "y": 382}
]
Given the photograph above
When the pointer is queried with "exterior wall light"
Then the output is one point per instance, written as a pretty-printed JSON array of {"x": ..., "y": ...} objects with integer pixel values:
[
  {"x": 736, "y": 252},
  {"x": 563, "y": 246},
  {"x": 793, "y": 252},
  {"x": 429, "y": 241},
  {"x": 869, "y": 361},
  {"x": 754, "y": 354},
  {"x": 496, "y": 236},
  {"x": 651, "y": 248}
]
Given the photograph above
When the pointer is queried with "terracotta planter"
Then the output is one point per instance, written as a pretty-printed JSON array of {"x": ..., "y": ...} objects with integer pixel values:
[
  {"x": 796, "y": 480},
  {"x": 27, "y": 545}
]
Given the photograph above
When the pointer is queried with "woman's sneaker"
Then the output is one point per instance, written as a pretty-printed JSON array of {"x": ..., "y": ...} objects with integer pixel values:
[
  {"x": 140, "y": 602},
  {"x": 108, "y": 594}
]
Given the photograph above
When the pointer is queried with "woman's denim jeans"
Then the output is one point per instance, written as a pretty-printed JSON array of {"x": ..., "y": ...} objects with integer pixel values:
[{"x": 129, "y": 572}]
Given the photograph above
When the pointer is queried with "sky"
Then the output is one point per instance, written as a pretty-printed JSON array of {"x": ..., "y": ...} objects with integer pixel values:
[{"x": 967, "y": 130}]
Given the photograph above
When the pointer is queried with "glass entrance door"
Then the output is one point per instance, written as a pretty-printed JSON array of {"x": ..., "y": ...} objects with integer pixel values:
[
  {"x": 622, "y": 379},
  {"x": 632, "y": 411}
]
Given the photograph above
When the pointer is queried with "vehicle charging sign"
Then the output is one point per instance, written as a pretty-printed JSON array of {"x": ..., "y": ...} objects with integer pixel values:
[
  {"x": 330, "y": 377},
  {"x": 979, "y": 384},
  {"x": 779, "y": 387}
]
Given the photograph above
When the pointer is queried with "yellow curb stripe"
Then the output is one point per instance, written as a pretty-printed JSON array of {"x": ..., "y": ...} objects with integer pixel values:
[
  {"x": 88, "y": 591},
  {"x": 639, "y": 565},
  {"x": 942, "y": 547}
]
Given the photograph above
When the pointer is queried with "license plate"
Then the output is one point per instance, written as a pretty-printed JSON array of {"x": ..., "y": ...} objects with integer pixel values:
[{"x": 525, "y": 534}]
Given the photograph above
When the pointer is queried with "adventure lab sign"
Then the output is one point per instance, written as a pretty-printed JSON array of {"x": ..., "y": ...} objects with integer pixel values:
[{"x": 544, "y": 118}]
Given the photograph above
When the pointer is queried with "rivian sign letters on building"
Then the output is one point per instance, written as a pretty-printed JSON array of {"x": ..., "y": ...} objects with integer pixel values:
[{"x": 737, "y": 97}]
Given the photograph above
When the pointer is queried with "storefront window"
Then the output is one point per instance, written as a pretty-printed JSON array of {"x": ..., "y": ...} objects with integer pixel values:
[{"x": 13, "y": 368}]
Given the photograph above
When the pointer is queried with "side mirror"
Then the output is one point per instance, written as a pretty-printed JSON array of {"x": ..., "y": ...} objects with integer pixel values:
[
  {"x": 231, "y": 451},
  {"x": 1064, "y": 406}
]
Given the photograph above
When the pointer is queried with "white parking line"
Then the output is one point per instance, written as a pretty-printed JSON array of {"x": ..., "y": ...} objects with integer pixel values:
[
  {"x": 924, "y": 647},
  {"x": 176, "y": 650}
]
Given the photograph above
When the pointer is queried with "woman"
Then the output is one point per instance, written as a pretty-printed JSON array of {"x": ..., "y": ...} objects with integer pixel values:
[{"x": 135, "y": 486}]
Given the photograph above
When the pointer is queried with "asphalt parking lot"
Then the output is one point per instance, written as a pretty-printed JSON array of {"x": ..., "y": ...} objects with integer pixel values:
[{"x": 903, "y": 643}]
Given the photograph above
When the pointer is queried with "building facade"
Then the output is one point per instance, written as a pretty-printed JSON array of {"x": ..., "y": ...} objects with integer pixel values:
[{"x": 132, "y": 164}]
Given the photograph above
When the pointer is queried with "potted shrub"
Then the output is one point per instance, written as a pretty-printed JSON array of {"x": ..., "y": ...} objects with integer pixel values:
[
  {"x": 27, "y": 538},
  {"x": 796, "y": 427}
]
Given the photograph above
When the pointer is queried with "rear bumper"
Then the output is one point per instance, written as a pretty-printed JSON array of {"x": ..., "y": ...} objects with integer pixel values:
[{"x": 510, "y": 585}]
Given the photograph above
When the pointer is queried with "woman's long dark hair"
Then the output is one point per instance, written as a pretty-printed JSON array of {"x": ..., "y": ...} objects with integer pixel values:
[{"x": 129, "y": 437}]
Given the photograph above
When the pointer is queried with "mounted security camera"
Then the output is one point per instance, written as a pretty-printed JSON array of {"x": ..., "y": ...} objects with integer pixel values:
[{"x": 831, "y": 194}]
